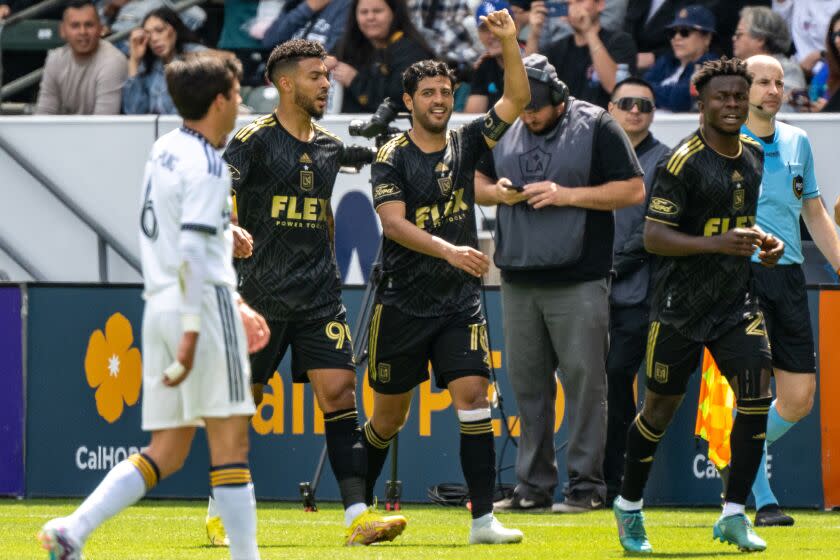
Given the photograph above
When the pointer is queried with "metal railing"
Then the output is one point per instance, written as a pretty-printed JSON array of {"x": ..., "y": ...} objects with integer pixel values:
[
  {"x": 34, "y": 77},
  {"x": 104, "y": 239}
]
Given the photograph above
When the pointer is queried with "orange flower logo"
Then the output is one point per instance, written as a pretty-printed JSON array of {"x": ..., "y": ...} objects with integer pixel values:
[{"x": 113, "y": 367}]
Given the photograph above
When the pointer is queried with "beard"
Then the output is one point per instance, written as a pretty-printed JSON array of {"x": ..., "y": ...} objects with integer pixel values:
[
  {"x": 308, "y": 105},
  {"x": 426, "y": 123}
]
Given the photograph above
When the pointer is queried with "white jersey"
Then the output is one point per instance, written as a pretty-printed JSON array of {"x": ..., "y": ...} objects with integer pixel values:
[{"x": 186, "y": 186}]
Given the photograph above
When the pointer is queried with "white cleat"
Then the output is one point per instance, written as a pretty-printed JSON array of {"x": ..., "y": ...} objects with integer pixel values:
[
  {"x": 494, "y": 532},
  {"x": 58, "y": 543}
]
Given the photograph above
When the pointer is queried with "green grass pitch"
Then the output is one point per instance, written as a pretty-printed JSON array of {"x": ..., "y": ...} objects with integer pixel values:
[{"x": 174, "y": 530}]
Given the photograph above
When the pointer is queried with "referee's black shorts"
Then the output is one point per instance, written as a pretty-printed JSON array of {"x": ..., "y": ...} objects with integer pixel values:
[
  {"x": 401, "y": 346},
  {"x": 784, "y": 302}
]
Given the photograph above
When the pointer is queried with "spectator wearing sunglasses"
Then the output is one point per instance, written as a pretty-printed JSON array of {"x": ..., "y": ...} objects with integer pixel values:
[
  {"x": 632, "y": 106},
  {"x": 690, "y": 35}
]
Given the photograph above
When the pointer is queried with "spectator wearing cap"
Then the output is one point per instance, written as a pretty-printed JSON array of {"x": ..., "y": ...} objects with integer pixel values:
[
  {"x": 762, "y": 31},
  {"x": 554, "y": 25},
  {"x": 646, "y": 21},
  {"x": 690, "y": 34},
  {"x": 556, "y": 177},
  {"x": 593, "y": 59},
  {"x": 443, "y": 24},
  {"x": 489, "y": 76},
  {"x": 316, "y": 20},
  {"x": 808, "y": 21},
  {"x": 85, "y": 76}
]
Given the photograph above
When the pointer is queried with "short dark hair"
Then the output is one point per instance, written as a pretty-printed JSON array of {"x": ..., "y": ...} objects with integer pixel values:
[
  {"x": 290, "y": 53},
  {"x": 723, "y": 67},
  {"x": 195, "y": 80},
  {"x": 425, "y": 69},
  {"x": 78, "y": 5},
  {"x": 631, "y": 81}
]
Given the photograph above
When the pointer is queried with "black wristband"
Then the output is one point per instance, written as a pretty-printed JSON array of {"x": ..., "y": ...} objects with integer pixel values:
[{"x": 494, "y": 127}]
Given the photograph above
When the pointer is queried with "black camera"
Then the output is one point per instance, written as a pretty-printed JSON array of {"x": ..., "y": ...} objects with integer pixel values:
[{"x": 379, "y": 122}]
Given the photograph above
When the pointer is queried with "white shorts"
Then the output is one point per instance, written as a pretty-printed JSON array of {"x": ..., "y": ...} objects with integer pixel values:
[{"x": 219, "y": 385}]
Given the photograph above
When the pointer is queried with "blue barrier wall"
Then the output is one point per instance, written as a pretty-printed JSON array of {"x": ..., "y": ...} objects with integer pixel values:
[{"x": 82, "y": 416}]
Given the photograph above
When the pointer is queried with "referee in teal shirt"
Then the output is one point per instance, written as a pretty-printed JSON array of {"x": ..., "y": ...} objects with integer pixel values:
[{"x": 788, "y": 189}]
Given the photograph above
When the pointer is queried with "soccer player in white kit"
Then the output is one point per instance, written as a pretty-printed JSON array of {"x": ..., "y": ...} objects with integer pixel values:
[{"x": 197, "y": 331}]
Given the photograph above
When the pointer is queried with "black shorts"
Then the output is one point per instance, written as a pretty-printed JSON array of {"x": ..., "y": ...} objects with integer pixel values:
[
  {"x": 318, "y": 344},
  {"x": 401, "y": 347},
  {"x": 742, "y": 352},
  {"x": 784, "y": 301}
]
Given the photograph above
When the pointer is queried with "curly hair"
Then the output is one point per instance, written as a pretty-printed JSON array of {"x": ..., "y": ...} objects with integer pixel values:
[
  {"x": 290, "y": 53},
  {"x": 722, "y": 67},
  {"x": 425, "y": 69}
]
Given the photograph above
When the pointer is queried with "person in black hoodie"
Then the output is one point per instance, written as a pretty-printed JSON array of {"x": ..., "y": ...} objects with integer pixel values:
[{"x": 380, "y": 42}]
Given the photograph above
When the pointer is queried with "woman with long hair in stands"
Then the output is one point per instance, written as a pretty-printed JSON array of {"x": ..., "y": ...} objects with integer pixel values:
[
  {"x": 379, "y": 42},
  {"x": 161, "y": 38},
  {"x": 832, "y": 54}
]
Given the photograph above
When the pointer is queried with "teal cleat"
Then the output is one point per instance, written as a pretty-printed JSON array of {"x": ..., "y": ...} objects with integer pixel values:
[
  {"x": 737, "y": 529},
  {"x": 631, "y": 530}
]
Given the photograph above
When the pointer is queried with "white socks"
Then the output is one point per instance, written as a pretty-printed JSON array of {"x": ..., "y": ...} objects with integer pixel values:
[
  {"x": 238, "y": 509},
  {"x": 121, "y": 487},
  {"x": 730, "y": 508},
  {"x": 627, "y": 505},
  {"x": 353, "y": 512}
]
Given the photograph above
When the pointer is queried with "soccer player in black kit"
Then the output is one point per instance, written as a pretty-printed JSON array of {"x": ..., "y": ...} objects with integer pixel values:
[
  {"x": 701, "y": 222},
  {"x": 427, "y": 305},
  {"x": 284, "y": 168}
]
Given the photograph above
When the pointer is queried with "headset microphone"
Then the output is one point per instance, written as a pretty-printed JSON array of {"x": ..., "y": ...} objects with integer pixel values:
[{"x": 759, "y": 107}]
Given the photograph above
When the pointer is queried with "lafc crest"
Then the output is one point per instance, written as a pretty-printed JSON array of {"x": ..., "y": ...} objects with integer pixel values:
[
  {"x": 739, "y": 193},
  {"x": 307, "y": 177},
  {"x": 443, "y": 178}
]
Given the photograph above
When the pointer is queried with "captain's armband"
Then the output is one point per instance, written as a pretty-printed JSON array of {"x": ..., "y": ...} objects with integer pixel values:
[{"x": 494, "y": 127}]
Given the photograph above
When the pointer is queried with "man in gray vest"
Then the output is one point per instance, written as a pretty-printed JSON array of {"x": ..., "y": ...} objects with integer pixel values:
[
  {"x": 632, "y": 106},
  {"x": 557, "y": 176}
]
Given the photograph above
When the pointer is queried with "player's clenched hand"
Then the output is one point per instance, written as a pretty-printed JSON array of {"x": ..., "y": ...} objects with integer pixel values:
[
  {"x": 471, "y": 261},
  {"x": 243, "y": 243},
  {"x": 772, "y": 249},
  {"x": 256, "y": 329},
  {"x": 500, "y": 24},
  {"x": 507, "y": 194},
  {"x": 738, "y": 242},
  {"x": 184, "y": 357}
]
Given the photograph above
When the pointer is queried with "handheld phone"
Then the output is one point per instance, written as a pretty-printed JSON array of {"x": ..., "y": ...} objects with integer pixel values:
[
  {"x": 800, "y": 99},
  {"x": 557, "y": 8},
  {"x": 517, "y": 188}
]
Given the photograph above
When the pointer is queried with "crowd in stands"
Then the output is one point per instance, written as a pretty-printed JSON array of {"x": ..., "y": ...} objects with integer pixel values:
[{"x": 593, "y": 44}]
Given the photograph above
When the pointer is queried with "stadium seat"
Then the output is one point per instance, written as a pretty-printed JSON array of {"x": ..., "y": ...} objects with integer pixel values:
[
  {"x": 32, "y": 35},
  {"x": 262, "y": 99}
]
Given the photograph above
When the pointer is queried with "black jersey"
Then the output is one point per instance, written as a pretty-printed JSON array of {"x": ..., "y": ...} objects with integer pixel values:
[
  {"x": 283, "y": 188},
  {"x": 701, "y": 192},
  {"x": 439, "y": 195}
]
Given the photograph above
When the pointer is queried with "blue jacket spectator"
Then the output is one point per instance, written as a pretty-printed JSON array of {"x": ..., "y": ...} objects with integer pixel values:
[
  {"x": 316, "y": 20},
  {"x": 690, "y": 35},
  {"x": 161, "y": 38}
]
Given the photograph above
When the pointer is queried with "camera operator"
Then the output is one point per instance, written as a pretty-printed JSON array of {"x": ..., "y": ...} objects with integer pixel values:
[
  {"x": 284, "y": 168},
  {"x": 557, "y": 176}
]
